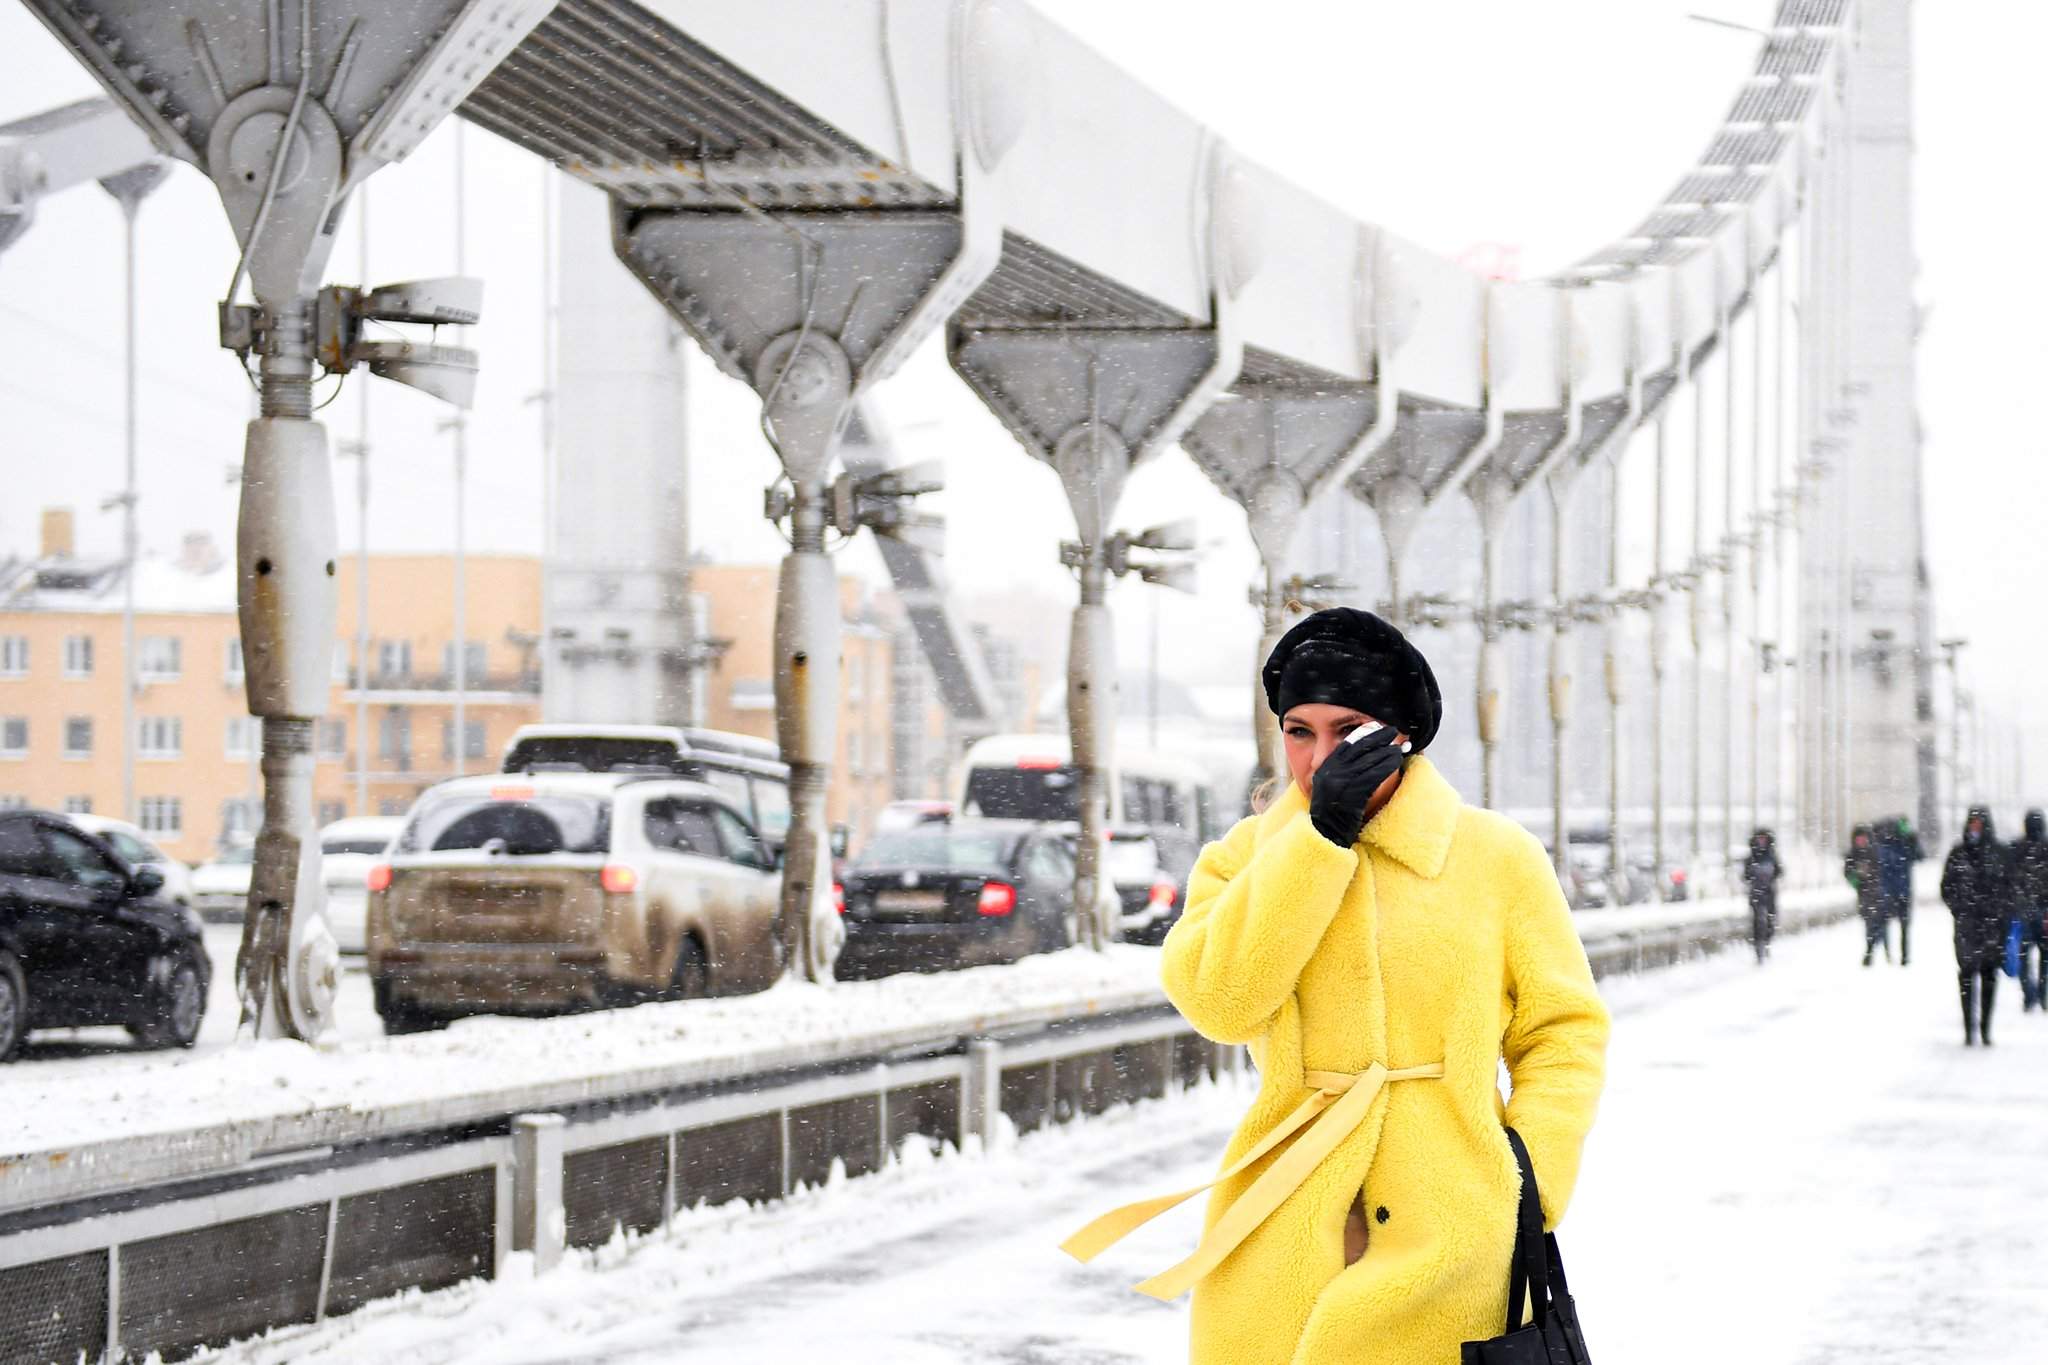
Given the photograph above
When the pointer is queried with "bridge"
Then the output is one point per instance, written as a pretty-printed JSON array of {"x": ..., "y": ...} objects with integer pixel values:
[{"x": 813, "y": 192}]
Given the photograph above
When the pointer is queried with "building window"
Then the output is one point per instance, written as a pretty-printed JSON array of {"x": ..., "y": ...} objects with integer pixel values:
[
  {"x": 9, "y": 801},
  {"x": 753, "y": 694},
  {"x": 343, "y": 651},
  {"x": 238, "y": 819},
  {"x": 472, "y": 661},
  {"x": 78, "y": 805},
  {"x": 330, "y": 811},
  {"x": 159, "y": 656},
  {"x": 394, "y": 658},
  {"x": 390, "y": 805},
  {"x": 232, "y": 666},
  {"x": 13, "y": 656},
  {"x": 162, "y": 815},
  {"x": 78, "y": 736},
  {"x": 473, "y": 738},
  {"x": 245, "y": 737},
  {"x": 332, "y": 739},
  {"x": 78, "y": 660},
  {"x": 160, "y": 736},
  {"x": 394, "y": 738},
  {"x": 13, "y": 736},
  {"x": 853, "y": 754}
]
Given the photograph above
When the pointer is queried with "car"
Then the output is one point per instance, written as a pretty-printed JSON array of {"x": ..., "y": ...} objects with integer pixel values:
[
  {"x": 1152, "y": 896},
  {"x": 910, "y": 814},
  {"x": 348, "y": 850},
  {"x": 87, "y": 939},
  {"x": 134, "y": 848},
  {"x": 548, "y": 892},
  {"x": 958, "y": 894},
  {"x": 220, "y": 886},
  {"x": 749, "y": 771}
]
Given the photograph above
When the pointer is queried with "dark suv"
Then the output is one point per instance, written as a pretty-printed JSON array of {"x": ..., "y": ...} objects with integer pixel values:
[{"x": 86, "y": 939}]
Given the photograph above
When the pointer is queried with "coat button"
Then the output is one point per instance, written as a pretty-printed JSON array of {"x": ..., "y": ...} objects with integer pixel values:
[{"x": 1380, "y": 1215}]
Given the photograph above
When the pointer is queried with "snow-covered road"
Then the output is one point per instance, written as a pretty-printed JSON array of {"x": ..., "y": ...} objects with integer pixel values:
[{"x": 1802, "y": 1160}]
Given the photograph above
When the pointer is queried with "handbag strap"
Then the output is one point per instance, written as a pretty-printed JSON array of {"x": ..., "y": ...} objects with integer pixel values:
[{"x": 1529, "y": 1271}]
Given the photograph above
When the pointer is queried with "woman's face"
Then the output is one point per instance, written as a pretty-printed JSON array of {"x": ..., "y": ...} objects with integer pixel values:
[{"x": 1311, "y": 730}]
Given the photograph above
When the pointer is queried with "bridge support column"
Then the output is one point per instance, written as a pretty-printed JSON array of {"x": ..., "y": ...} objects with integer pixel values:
[
  {"x": 810, "y": 308},
  {"x": 1093, "y": 403}
]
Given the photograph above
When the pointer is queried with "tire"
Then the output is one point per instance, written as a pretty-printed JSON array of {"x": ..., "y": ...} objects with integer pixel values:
[
  {"x": 173, "y": 1017},
  {"x": 690, "y": 978},
  {"x": 402, "y": 1016},
  {"x": 13, "y": 1007}
]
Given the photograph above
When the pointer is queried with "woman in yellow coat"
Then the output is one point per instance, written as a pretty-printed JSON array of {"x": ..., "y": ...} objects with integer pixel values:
[{"x": 1382, "y": 947}]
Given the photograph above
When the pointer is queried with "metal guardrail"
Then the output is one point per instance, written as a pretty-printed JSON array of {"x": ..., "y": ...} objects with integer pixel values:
[
  {"x": 175, "y": 1264},
  {"x": 172, "y": 1267}
]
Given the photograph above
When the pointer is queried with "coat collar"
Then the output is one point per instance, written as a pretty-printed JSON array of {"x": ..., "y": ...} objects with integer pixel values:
[{"x": 1414, "y": 828}]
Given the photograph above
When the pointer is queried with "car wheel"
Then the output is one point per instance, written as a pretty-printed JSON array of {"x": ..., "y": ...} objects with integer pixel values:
[
  {"x": 13, "y": 1006},
  {"x": 173, "y": 1017},
  {"x": 402, "y": 1016},
  {"x": 691, "y": 977}
]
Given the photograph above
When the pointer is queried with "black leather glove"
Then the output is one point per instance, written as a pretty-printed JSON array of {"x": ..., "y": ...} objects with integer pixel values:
[{"x": 1345, "y": 783}]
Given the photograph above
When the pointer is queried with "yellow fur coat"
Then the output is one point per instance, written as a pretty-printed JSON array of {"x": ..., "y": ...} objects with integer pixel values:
[{"x": 1442, "y": 937}]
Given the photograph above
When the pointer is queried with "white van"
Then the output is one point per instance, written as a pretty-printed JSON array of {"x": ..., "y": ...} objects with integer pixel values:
[{"x": 1032, "y": 777}]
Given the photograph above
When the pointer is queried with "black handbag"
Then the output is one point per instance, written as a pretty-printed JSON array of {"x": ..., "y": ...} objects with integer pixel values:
[{"x": 1552, "y": 1336}]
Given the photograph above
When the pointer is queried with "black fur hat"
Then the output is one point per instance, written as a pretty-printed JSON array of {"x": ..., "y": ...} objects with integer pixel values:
[{"x": 1349, "y": 657}]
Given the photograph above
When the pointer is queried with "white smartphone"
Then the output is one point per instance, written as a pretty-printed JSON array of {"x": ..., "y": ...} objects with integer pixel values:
[{"x": 1374, "y": 728}]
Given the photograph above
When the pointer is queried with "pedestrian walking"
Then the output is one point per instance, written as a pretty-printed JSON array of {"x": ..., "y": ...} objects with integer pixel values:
[
  {"x": 2030, "y": 900},
  {"x": 1382, "y": 947},
  {"x": 1896, "y": 854},
  {"x": 1976, "y": 885},
  {"x": 1861, "y": 869},
  {"x": 1760, "y": 873}
]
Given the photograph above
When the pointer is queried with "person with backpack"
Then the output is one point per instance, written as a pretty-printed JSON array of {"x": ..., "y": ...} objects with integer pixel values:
[
  {"x": 1760, "y": 873},
  {"x": 1861, "y": 870},
  {"x": 2030, "y": 898},
  {"x": 1976, "y": 885},
  {"x": 1895, "y": 850}
]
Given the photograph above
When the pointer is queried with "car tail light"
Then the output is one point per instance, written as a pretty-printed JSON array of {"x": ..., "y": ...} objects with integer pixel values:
[
  {"x": 839, "y": 897},
  {"x": 1037, "y": 765},
  {"x": 997, "y": 898},
  {"x": 379, "y": 878},
  {"x": 618, "y": 879},
  {"x": 1163, "y": 894}
]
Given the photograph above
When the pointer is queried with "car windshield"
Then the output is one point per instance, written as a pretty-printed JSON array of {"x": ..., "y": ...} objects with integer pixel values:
[
  {"x": 522, "y": 823},
  {"x": 1133, "y": 860},
  {"x": 935, "y": 848},
  {"x": 1041, "y": 794}
]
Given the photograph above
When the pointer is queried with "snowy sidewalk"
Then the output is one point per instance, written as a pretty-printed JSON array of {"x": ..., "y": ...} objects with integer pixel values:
[{"x": 1803, "y": 1153}]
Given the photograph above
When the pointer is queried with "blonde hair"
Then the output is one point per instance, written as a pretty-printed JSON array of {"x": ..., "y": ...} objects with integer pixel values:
[{"x": 1268, "y": 791}]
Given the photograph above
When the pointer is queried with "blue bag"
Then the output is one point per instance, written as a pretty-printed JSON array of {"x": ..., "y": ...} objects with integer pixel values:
[{"x": 2012, "y": 948}]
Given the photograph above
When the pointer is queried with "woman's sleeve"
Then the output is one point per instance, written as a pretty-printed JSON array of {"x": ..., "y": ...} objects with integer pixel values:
[
  {"x": 1556, "y": 1043},
  {"x": 1253, "y": 918}
]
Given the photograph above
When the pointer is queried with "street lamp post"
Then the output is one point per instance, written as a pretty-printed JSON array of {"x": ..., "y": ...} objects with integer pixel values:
[
  {"x": 1951, "y": 650},
  {"x": 130, "y": 188}
]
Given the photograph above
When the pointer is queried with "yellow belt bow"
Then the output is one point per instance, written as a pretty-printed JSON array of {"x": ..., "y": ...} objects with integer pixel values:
[{"x": 1340, "y": 1103}]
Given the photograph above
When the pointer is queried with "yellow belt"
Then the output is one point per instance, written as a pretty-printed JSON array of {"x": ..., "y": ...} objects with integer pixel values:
[{"x": 1340, "y": 1103}]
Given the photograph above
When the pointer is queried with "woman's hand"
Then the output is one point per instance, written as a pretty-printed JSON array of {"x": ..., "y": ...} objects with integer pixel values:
[{"x": 1343, "y": 786}]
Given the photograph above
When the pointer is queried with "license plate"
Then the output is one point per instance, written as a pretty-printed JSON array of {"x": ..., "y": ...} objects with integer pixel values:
[{"x": 910, "y": 901}]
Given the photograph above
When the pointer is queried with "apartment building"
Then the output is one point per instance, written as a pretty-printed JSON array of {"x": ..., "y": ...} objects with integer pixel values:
[{"x": 196, "y": 747}]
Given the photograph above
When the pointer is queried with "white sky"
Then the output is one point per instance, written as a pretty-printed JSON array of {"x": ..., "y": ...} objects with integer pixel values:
[{"x": 1545, "y": 128}]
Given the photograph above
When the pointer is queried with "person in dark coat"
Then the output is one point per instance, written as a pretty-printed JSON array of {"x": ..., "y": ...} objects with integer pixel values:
[
  {"x": 1896, "y": 850},
  {"x": 2030, "y": 898},
  {"x": 1760, "y": 872},
  {"x": 1976, "y": 885},
  {"x": 1861, "y": 870}
]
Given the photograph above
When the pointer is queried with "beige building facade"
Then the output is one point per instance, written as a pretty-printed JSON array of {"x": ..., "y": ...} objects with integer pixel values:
[{"x": 196, "y": 747}]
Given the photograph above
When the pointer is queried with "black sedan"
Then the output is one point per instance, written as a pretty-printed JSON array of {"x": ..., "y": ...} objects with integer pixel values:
[
  {"x": 86, "y": 939},
  {"x": 1149, "y": 892},
  {"x": 960, "y": 894}
]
